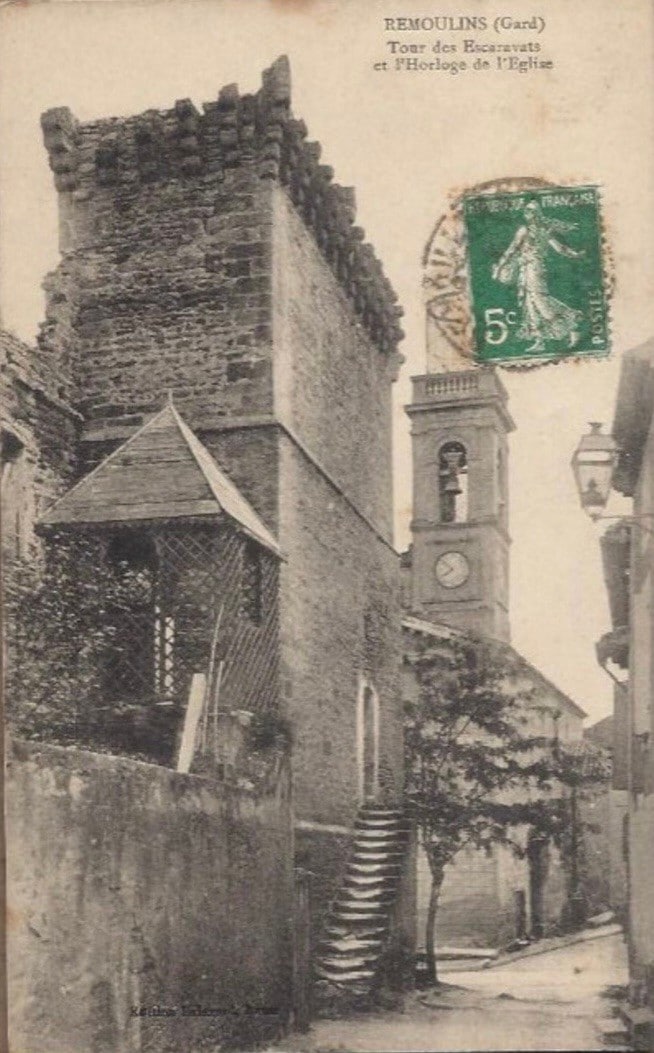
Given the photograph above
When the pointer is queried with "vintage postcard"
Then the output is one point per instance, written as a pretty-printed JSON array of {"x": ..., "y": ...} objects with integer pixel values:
[{"x": 327, "y": 361}]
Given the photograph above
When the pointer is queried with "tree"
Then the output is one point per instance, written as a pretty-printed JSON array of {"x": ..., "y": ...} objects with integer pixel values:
[
  {"x": 476, "y": 774},
  {"x": 571, "y": 774},
  {"x": 62, "y": 644}
]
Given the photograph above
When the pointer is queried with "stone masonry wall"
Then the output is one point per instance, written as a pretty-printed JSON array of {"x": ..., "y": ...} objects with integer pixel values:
[
  {"x": 167, "y": 287},
  {"x": 339, "y": 602},
  {"x": 339, "y": 621},
  {"x": 40, "y": 430},
  {"x": 340, "y": 610},
  {"x": 132, "y": 886},
  {"x": 332, "y": 383}
]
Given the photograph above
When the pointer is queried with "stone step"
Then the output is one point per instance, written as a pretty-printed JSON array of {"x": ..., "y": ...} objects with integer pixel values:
[
  {"x": 377, "y": 854},
  {"x": 348, "y": 894},
  {"x": 342, "y": 968},
  {"x": 379, "y": 833},
  {"x": 375, "y": 810},
  {"x": 356, "y": 915},
  {"x": 356, "y": 944},
  {"x": 342, "y": 963},
  {"x": 344, "y": 931},
  {"x": 369, "y": 884},
  {"x": 376, "y": 903},
  {"x": 378, "y": 823},
  {"x": 379, "y": 844},
  {"x": 352, "y": 977},
  {"x": 374, "y": 868},
  {"x": 374, "y": 880}
]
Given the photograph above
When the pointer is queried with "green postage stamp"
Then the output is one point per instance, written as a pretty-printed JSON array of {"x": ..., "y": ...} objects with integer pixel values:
[{"x": 536, "y": 275}]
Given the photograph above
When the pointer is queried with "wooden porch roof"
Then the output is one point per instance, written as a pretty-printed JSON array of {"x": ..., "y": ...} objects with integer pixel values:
[{"x": 162, "y": 472}]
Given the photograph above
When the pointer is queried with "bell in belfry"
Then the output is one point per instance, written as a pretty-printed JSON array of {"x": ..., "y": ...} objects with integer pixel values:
[{"x": 451, "y": 484}]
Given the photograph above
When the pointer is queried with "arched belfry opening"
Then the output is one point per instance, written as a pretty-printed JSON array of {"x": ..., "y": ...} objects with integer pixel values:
[{"x": 453, "y": 482}]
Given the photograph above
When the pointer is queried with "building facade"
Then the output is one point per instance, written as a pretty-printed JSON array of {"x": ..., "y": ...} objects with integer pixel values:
[
  {"x": 606, "y": 813},
  {"x": 628, "y": 650}
]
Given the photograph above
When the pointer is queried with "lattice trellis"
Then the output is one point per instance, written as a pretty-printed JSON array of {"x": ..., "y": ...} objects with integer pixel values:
[{"x": 173, "y": 591}]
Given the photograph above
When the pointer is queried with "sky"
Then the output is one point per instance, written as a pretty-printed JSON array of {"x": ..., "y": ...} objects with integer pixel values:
[{"x": 405, "y": 141}]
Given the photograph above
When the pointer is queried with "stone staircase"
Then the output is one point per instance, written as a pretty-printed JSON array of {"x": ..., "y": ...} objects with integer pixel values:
[{"x": 354, "y": 940}]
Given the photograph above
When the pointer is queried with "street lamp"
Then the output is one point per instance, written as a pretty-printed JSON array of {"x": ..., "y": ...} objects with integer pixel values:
[{"x": 593, "y": 464}]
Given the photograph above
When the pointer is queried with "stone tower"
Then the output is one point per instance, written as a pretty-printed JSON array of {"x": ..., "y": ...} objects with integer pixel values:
[
  {"x": 460, "y": 553},
  {"x": 457, "y": 571},
  {"x": 210, "y": 254}
]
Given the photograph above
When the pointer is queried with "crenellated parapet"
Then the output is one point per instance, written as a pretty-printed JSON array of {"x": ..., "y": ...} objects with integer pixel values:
[{"x": 253, "y": 131}]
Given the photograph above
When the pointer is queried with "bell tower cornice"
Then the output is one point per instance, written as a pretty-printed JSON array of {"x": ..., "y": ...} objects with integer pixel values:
[{"x": 472, "y": 389}]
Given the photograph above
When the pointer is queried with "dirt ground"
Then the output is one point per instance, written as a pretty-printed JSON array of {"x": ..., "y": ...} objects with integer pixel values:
[{"x": 558, "y": 1000}]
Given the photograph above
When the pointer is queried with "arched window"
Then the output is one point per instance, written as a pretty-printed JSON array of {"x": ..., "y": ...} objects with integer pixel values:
[{"x": 453, "y": 482}]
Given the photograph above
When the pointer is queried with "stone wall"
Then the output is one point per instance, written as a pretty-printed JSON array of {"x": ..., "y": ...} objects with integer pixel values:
[
  {"x": 131, "y": 887},
  {"x": 332, "y": 383},
  {"x": 340, "y": 601},
  {"x": 170, "y": 290},
  {"x": 641, "y": 909},
  {"x": 641, "y": 750},
  {"x": 469, "y": 912},
  {"x": 605, "y": 871},
  {"x": 339, "y": 622},
  {"x": 41, "y": 428}
]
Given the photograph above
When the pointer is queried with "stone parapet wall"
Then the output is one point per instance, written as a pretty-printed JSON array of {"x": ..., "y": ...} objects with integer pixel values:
[{"x": 131, "y": 887}]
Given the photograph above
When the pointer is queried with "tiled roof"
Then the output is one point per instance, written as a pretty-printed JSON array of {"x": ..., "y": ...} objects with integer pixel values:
[{"x": 446, "y": 632}]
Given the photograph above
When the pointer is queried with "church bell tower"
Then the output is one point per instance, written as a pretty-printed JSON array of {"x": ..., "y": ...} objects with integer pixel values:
[{"x": 460, "y": 552}]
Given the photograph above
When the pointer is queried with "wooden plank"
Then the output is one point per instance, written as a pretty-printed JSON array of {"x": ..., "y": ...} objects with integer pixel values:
[{"x": 196, "y": 703}]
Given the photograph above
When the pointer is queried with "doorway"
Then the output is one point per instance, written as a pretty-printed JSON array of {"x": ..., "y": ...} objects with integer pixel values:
[
  {"x": 368, "y": 741},
  {"x": 538, "y": 856}
]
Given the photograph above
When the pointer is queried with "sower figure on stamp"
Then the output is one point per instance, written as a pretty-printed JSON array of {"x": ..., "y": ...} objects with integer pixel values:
[{"x": 524, "y": 263}]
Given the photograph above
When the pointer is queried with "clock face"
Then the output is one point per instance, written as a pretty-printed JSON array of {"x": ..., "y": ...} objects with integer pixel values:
[{"x": 452, "y": 570}]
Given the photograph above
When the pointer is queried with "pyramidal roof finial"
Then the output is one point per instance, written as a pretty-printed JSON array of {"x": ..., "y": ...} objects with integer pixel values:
[{"x": 169, "y": 397}]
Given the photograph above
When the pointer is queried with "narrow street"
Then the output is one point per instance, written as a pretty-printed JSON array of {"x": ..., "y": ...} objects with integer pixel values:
[{"x": 558, "y": 1000}]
